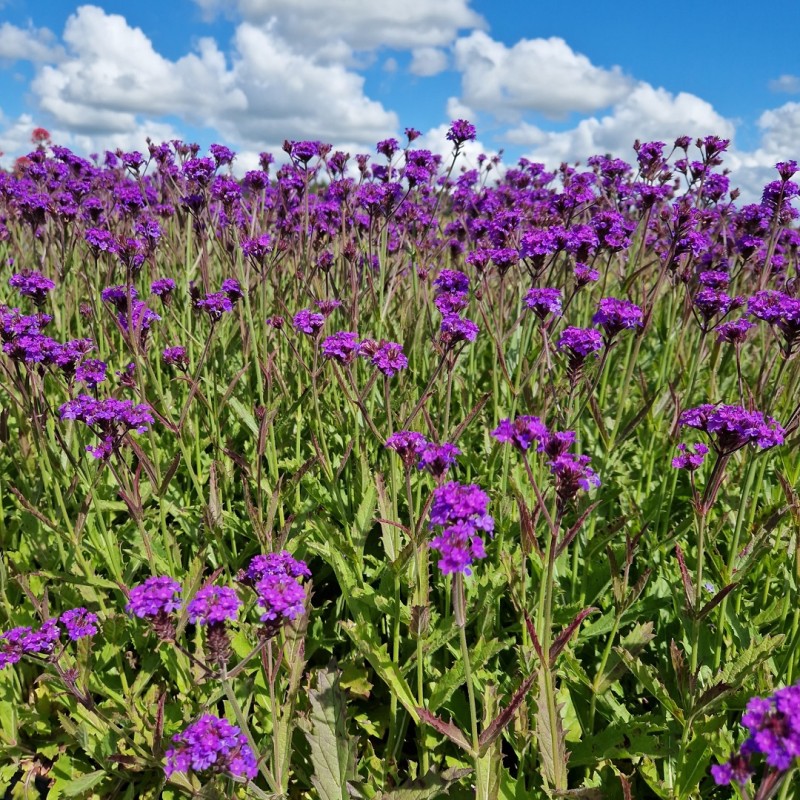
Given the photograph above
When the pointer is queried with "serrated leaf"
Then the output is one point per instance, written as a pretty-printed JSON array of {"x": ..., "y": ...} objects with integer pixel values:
[
  {"x": 365, "y": 639},
  {"x": 448, "y": 729},
  {"x": 332, "y": 749},
  {"x": 550, "y": 736},
  {"x": 633, "y": 643},
  {"x": 745, "y": 663},
  {"x": 646, "y": 675},
  {"x": 430, "y": 786},
  {"x": 454, "y": 677},
  {"x": 244, "y": 415}
]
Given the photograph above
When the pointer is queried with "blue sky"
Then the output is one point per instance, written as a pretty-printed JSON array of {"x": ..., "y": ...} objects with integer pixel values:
[{"x": 551, "y": 81}]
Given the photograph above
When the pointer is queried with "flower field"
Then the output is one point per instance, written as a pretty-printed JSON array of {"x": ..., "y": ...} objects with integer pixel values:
[{"x": 377, "y": 477}]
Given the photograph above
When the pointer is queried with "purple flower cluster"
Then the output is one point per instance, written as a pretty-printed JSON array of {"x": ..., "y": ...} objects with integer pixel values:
[
  {"x": 774, "y": 732},
  {"x": 615, "y": 315},
  {"x": 732, "y": 427},
  {"x": 781, "y": 311},
  {"x": 462, "y": 511},
  {"x": 175, "y": 357},
  {"x": 734, "y": 332},
  {"x": 522, "y": 432},
  {"x": 159, "y": 594},
  {"x": 32, "y": 284},
  {"x": 79, "y": 623},
  {"x": 276, "y": 578},
  {"x": 211, "y": 745},
  {"x": 389, "y": 358},
  {"x": 342, "y": 347},
  {"x": 308, "y": 322},
  {"x": 544, "y": 301},
  {"x": 110, "y": 419},
  {"x": 162, "y": 287},
  {"x": 213, "y": 604},
  {"x": 579, "y": 343},
  {"x": 452, "y": 297},
  {"x": 413, "y": 448},
  {"x": 215, "y": 305},
  {"x": 691, "y": 456}
]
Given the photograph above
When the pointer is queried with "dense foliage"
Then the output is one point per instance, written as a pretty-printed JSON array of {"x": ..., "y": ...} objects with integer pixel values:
[{"x": 378, "y": 478}]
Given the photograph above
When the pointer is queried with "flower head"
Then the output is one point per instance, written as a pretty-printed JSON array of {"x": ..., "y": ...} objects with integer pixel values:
[
  {"x": 691, "y": 457},
  {"x": 159, "y": 594},
  {"x": 437, "y": 458},
  {"x": 615, "y": 315},
  {"x": 213, "y": 604},
  {"x": 580, "y": 342},
  {"x": 308, "y": 322},
  {"x": 389, "y": 358},
  {"x": 544, "y": 301},
  {"x": 732, "y": 427},
  {"x": 32, "y": 284},
  {"x": 211, "y": 745},
  {"x": 407, "y": 444},
  {"x": 572, "y": 472},
  {"x": 523, "y": 432},
  {"x": 79, "y": 623},
  {"x": 342, "y": 346}
]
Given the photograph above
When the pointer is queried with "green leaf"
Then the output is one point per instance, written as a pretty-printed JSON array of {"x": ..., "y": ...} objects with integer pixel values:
[
  {"x": 244, "y": 415},
  {"x": 430, "y": 786},
  {"x": 332, "y": 749},
  {"x": 454, "y": 677},
  {"x": 365, "y": 639},
  {"x": 550, "y": 735},
  {"x": 747, "y": 661},
  {"x": 646, "y": 675}
]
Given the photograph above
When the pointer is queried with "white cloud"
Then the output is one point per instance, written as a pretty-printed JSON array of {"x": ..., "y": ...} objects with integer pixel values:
[
  {"x": 788, "y": 84},
  {"x": 543, "y": 75},
  {"x": 361, "y": 24},
  {"x": 427, "y": 61},
  {"x": 28, "y": 44},
  {"x": 112, "y": 78},
  {"x": 646, "y": 113},
  {"x": 112, "y": 73},
  {"x": 291, "y": 96}
]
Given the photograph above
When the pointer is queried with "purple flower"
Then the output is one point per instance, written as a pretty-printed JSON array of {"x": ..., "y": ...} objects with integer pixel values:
[
  {"x": 732, "y": 427},
  {"x": 281, "y": 596},
  {"x": 711, "y": 302},
  {"x": 79, "y": 623},
  {"x": 389, "y": 358},
  {"x": 257, "y": 249},
  {"x": 110, "y": 418},
  {"x": 157, "y": 595},
  {"x": 451, "y": 302},
  {"x": 691, "y": 457},
  {"x": 232, "y": 288},
  {"x": 736, "y": 768},
  {"x": 140, "y": 316},
  {"x": 44, "y": 639},
  {"x": 716, "y": 279},
  {"x": 407, "y": 445},
  {"x": 774, "y": 725},
  {"x": 615, "y": 315},
  {"x": 175, "y": 357},
  {"x": 454, "y": 329},
  {"x": 522, "y": 432},
  {"x": 215, "y": 305},
  {"x": 544, "y": 301},
  {"x": 214, "y": 745},
  {"x": 556, "y": 443},
  {"x": 281, "y": 563},
  {"x": 213, "y": 604},
  {"x": 119, "y": 296},
  {"x": 342, "y": 346},
  {"x": 572, "y": 472},
  {"x": 32, "y": 284},
  {"x": 12, "y": 645},
  {"x": 735, "y": 331},
  {"x": 580, "y": 342},
  {"x": 461, "y": 131},
  {"x": 780, "y": 310},
  {"x": 91, "y": 371},
  {"x": 162, "y": 287},
  {"x": 327, "y": 307},
  {"x": 451, "y": 280},
  {"x": 308, "y": 322},
  {"x": 437, "y": 458},
  {"x": 461, "y": 510}
]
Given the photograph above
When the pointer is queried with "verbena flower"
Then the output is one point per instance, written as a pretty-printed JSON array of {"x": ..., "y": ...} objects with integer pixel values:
[
  {"x": 215, "y": 305},
  {"x": 389, "y": 358},
  {"x": 281, "y": 596},
  {"x": 407, "y": 445},
  {"x": 522, "y": 432},
  {"x": 462, "y": 511},
  {"x": 175, "y": 357},
  {"x": 691, "y": 457},
  {"x": 79, "y": 623},
  {"x": 211, "y": 745},
  {"x": 614, "y": 315},
  {"x": 162, "y": 287},
  {"x": 732, "y": 427},
  {"x": 213, "y": 604},
  {"x": 280, "y": 563},
  {"x": 308, "y": 322},
  {"x": 454, "y": 329},
  {"x": 232, "y": 288},
  {"x": 44, "y": 639},
  {"x": 437, "y": 458},
  {"x": 159, "y": 594},
  {"x": 342, "y": 346},
  {"x": 544, "y": 301},
  {"x": 580, "y": 342},
  {"x": 735, "y": 331},
  {"x": 451, "y": 281},
  {"x": 556, "y": 443},
  {"x": 91, "y": 372},
  {"x": 32, "y": 284},
  {"x": 461, "y": 131},
  {"x": 572, "y": 473},
  {"x": 711, "y": 302}
]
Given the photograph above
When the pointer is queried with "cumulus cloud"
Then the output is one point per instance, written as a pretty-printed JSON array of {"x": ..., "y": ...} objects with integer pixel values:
[
  {"x": 28, "y": 44},
  {"x": 112, "y": 73},
  {"x": 360, "y": 24},
  {"x": 112, "y": 79},
  {"x": 543, "y": 75},
  {"x": 646, "y": 113}
]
